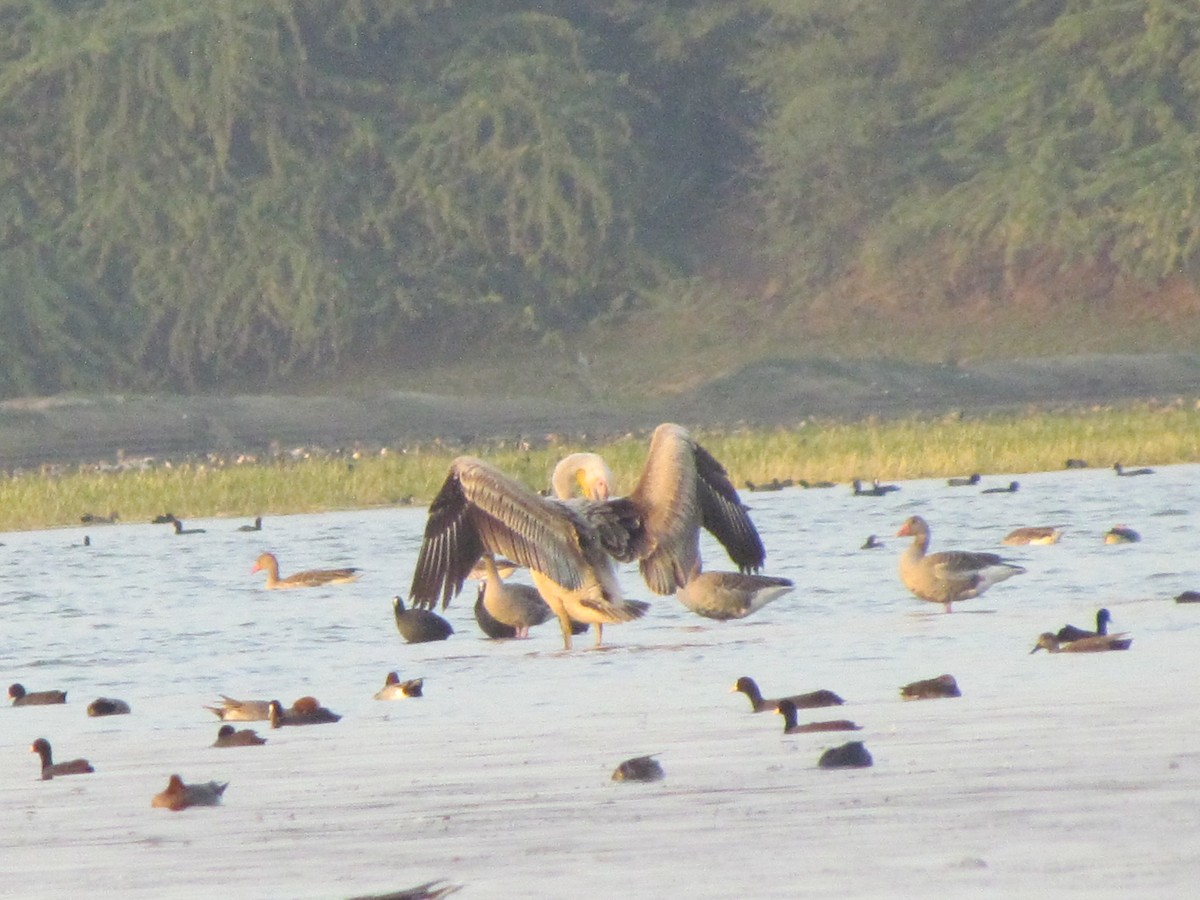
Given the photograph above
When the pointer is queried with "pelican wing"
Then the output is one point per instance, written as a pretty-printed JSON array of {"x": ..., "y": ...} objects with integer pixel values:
[
  {"x": 668, "y": 540},
  {"x": 481, "y": 509},
  {"x": 723, "y": 514}
]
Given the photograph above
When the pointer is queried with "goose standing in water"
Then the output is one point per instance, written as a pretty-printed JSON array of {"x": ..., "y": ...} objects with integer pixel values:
[
  {"x": 569, "y": 545},
  {"x": 951, "y": 575}
]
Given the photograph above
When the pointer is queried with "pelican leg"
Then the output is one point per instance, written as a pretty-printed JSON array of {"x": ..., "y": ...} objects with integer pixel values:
[{"x": 564, "y": 622}]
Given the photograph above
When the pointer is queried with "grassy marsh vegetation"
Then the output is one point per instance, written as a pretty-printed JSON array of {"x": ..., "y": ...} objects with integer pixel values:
[{"x": 899, "y": 449}]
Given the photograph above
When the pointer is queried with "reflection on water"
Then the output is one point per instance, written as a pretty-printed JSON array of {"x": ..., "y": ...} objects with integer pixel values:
[{"x": 499, "y": 776}]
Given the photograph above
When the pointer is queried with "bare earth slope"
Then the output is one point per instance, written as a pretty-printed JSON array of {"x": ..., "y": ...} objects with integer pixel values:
[{"x": 76, "y": 428}]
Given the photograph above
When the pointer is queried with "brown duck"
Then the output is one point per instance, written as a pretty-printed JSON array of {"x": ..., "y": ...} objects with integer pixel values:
[
  {"x": 311, "y": 578},
  {"x": 177, "y": 795}
]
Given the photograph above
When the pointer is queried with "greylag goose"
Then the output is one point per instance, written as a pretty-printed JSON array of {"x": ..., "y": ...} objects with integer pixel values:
[
  {"x": 758, "y": 703},
  {"x": 419, "y": 626},
  {"x": 931, "y": 688},
  {"x": 107, "y": 706},
  {"x": 50, "y": 768},
  {"x": 852, "y": 755},
  {"x": 1121, "y": 534},
  {"x": 305, "y": 711},
  {"x": 639, "y": 768},
  {"x": 267, "y": 562},
  {"x": 395, "y": 689},
  {"x": 787, "y": 709},
  {"x": 517, "y": 605},
  {"x": 1033, "y": 534},
  {"x": 1095, "y": 644},
  {"x": 1071, "y": 633},
  {"x": 232, "y": 710},
  {"x": 1011, "y": 488},
  {"x": 257, "y": 526},
  {"x": 969, "y": 481},
  {"x": 569, "y": 545},
  {"x": 22, "y": 697},
  {"x": 730, "y": 595},
  {"x": 951, "y": 575},
  {"x": 1128, "y": 473},
  {"x": 228, "y": 736},
  {"x": 177, "y": 795}
]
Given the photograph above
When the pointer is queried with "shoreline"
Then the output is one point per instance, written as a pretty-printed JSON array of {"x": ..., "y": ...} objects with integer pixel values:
[{"x": 72, "y": 429}]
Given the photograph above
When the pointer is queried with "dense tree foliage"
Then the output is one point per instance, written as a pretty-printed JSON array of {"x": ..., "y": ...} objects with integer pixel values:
[{"x": 189, "y": 190}]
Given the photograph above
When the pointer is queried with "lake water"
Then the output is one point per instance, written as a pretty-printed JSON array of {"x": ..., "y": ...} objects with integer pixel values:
[{"x": 1076, "y": 774}]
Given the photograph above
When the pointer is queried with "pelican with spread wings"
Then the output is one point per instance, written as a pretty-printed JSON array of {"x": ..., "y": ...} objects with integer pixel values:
[{"x": 569, "y": 545}]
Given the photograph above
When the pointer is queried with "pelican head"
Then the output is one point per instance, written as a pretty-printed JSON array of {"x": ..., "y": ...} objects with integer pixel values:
[{"x": 586, "y": 471}]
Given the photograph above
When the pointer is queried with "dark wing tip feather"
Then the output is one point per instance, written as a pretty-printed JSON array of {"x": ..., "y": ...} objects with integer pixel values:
[{"x": 724, "y": 515}]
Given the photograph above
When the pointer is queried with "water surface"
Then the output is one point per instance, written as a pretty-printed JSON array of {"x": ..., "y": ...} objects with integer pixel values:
[{"x": 1079, "y": 772}]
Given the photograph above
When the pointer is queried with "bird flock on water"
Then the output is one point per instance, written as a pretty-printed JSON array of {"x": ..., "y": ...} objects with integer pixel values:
[{"x": 484, "y": 526}]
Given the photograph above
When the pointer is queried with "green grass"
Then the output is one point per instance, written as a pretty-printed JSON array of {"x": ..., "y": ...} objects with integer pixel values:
[{"x": 895, "y": 449}]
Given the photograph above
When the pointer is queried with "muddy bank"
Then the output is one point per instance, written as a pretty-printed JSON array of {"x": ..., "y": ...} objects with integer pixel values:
[{"x": 78, "y": 428}]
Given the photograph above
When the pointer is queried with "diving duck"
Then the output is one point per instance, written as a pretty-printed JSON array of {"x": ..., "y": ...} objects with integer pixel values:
[
  {"x": 639, "y": 768},
  {"x": 931, "y": 688},
  {"x": 22, "y": 697},
  {"x": 107, "y": 706},
  {"x": 1128, "y": 473},
  {"x": 419, "y": 626},
  {"x": 50, "y": 768},
  {"x": 852, "y": 755},
  {"x": 787, "y": 709},
  {"x": 811, "y": 700}
]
